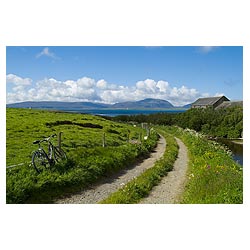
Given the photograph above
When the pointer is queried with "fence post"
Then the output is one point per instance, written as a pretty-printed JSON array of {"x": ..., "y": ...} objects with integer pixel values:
[
  {"x": 104, "y": 140},
  {"x": 140, "y": 137},
  {"x": 59, "y": 140}
]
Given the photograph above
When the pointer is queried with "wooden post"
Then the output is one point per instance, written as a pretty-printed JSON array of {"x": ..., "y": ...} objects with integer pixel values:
[
  {"x": 140, "y": 137},
  {"x": 59, "y": 140},
  {"x": 103, "y": 140}
]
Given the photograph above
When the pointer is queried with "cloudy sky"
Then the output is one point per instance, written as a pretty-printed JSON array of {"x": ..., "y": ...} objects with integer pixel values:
[{"x": 115, "y": 74}]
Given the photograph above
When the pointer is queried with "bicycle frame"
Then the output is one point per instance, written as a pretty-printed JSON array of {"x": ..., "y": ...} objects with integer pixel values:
[
  {"x": 40, "y": 158},
  {"x": 50, "y": 152}
]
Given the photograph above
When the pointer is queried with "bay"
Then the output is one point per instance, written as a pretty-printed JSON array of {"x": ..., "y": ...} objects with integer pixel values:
[
  {"x": 236, "y": 148},
  {"x": 116, "y": 112}
]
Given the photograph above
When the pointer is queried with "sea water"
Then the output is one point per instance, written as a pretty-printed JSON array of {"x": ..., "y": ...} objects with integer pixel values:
[{"x": 116, "y": 112}]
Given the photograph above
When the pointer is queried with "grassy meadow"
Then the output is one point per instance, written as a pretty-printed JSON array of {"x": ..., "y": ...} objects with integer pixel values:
[
  {"x": 82, "y": 140},
  {"x": 213, "y": 176}
]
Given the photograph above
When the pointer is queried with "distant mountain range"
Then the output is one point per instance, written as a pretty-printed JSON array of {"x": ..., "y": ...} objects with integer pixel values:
[
  {"x": 58, "y": 105},
  {"x": 148, "y": 103},
  {"x": 187, "y": 106}
]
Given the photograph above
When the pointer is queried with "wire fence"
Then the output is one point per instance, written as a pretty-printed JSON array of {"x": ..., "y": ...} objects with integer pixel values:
[
  {"x": 104, "y": 137},
  {"x": 20, "y": 164}
]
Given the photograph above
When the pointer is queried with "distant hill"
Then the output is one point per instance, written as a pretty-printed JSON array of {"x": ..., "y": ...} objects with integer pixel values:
[
  {"x": 59, "y": 105},
  {"x": 187, "y": 106},
  {"x": 148, "y": 103}
]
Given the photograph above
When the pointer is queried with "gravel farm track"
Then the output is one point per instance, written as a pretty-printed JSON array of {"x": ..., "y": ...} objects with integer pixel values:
[
  {"x": 172, "y": 185},
  {"x": 168, "y": 191}
]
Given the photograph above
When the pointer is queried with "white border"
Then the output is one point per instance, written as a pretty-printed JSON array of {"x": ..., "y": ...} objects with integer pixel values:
[{"x": 147, "y": 23}]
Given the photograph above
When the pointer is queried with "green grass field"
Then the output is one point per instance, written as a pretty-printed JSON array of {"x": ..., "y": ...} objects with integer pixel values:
[
  {"x": 24, "y": 126},
  {"x": 213, "y": 176},
  {"x": 82, "y": 140}
]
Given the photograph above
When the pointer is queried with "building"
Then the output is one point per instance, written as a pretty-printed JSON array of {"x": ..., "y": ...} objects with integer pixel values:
[
  {"x": 230, "y": 104},
  {"x": 213, "y": 102}
]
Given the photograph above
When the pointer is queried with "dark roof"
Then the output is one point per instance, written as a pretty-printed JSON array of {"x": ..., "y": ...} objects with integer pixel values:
[
  {"x": 229, "y": 104},
  {"x": 208, "y": 101}
]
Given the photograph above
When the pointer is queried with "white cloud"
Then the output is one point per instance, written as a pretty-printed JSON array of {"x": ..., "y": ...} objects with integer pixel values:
[
  {"x": 86, "y": 82},
  {"x": 20, "y": 83},
  {"x": 48, "y": 53},
  {"x": 147, "y": 85},
  {"x": 11, "y": 78},
  {"x": 207, "y": 49},
  {"x": 219, "y": 94},
  {"x": 163, "y": 90},
  {"x": 118, "y": 94},
  {"x": 82, "y": 89},
  {"x": 102, "y": 84},
  {"x": 88, "y": 89},
  {"x": 163, "y": 86}
]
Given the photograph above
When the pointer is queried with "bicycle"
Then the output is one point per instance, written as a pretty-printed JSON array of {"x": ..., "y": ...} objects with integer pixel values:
[{"x": 42, "y": 160}]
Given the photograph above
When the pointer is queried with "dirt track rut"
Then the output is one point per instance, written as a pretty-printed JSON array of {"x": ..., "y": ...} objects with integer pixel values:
[
  {"x": 171, "y": 186},
  {"x": 102, "y": 190}
]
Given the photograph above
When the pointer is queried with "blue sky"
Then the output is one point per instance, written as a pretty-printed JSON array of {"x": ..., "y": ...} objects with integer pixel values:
[{"x": 113, "y": 74}]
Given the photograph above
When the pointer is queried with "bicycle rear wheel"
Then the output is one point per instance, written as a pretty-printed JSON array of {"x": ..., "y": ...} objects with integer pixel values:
[
  {"x": 59, "y": 154},
  {"x": 40, "y": 161}
]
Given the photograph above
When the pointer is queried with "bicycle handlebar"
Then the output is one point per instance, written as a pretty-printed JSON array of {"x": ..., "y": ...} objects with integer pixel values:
[{"x": 45, "y": 139}]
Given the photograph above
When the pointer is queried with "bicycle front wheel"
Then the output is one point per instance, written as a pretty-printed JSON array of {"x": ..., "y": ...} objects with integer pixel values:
[
  {"x": 59, "y": 154},
  {"x": 40, "y": 161}
]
